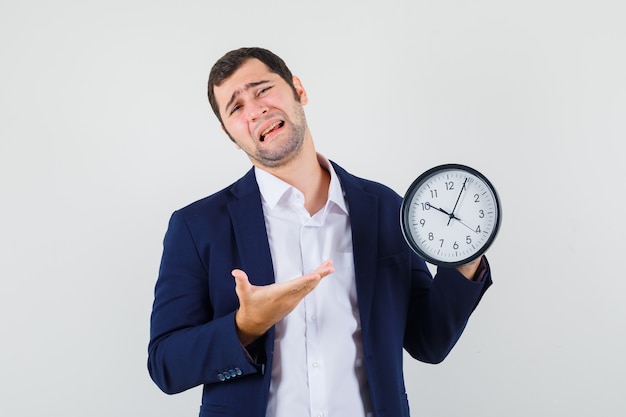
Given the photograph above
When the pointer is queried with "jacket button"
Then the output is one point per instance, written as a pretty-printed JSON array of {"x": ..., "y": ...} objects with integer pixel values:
[
  {"x": 221, "y": 377},
  {"x": 226, "y": 375},
  {"x": 238, "y": 371},
  {"x": 232, "y": 373}
]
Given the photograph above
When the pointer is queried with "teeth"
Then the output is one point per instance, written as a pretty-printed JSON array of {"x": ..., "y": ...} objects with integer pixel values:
[{"x": 272, "y": 126}]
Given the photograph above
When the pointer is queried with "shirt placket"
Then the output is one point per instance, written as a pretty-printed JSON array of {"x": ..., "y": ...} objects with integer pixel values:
[{"x": 310, "y": 251}]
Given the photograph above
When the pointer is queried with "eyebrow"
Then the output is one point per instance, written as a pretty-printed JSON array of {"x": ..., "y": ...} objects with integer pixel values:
[{"x": 245, "y": 88}]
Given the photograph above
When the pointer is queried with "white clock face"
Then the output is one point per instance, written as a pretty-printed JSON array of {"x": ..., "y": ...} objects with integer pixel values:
[{"x": 450, "y": 215}]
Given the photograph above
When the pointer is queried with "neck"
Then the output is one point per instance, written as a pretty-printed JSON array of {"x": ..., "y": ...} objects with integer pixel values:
[{"x": 306, "y": 174}]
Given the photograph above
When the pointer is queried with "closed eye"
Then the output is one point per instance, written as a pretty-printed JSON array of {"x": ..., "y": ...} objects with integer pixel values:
[
  {"x": 235, "y": 108},
  {"x": 263, "y": 90},
  {"x": 236, "y": 95}
]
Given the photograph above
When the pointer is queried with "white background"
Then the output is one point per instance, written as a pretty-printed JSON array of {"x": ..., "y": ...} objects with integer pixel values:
[{"x": 105, "y": 130}]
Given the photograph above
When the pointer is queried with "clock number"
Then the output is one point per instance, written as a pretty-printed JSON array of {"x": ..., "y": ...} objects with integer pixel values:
[
  {"x": 455, "y": 246},
  {"x": 431, "y": 236},
  {"x": 481, "y": 213},
  {"x": 422, "y": 222},
  {"x": 450, "y": 185},
  {"x": 476, "y": 198},
  {"x": 468, "y": 239},
  {"x": 441, "y": 243},
  {"x": 425, "y": 206},
  {"x": 433, "y": 193},
  {"x": 478, "y": 229}
]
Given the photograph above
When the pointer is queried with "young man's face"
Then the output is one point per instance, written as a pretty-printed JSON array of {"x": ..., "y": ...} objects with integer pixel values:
[{"x": 261, "y": 114}]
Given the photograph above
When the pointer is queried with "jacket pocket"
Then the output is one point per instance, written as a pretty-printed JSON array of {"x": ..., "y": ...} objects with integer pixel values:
[
  {"x": 211, "y": 410},
  {"x": 399, "y": 258}
]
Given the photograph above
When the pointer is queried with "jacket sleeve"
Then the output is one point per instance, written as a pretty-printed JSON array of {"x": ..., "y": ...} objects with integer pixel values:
[
  {"x": 189, "y": 343},
  {"x": 439, "y": 309}
]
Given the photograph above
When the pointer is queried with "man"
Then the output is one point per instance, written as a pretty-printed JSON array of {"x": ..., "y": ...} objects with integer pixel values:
[{"x": 292, "y": 292}]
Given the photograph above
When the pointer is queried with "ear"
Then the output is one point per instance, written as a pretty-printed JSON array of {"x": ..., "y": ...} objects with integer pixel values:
[{"x": 300, "y": 90}]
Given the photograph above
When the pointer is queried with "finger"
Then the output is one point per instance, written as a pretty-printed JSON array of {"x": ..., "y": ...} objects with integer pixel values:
[
  {"x": 309, "y": 281},
  {"x": 312, "y": 279},
  {"x": 325, "y": 268},
  {"x": 239, "y": 275},
  {"x": 326, "y": 263},
  {"x": 241, "y": 280},
  {"x": 303, "y": 284}
]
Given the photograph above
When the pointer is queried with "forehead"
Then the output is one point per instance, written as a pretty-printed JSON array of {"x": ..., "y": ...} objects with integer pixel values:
[{"x": 250, "y": 72}]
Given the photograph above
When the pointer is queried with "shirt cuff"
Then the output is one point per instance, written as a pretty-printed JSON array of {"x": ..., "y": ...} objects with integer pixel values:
[
  {"x": 254, "y": 350},
  {"x": 481, "y": 271}
]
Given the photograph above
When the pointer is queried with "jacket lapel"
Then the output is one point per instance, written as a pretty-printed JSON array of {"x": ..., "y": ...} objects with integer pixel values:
[
  {"x": 246, "y": 212},
  {"x": 363, "y": 208},
  {"x": 251, "y": 240}
]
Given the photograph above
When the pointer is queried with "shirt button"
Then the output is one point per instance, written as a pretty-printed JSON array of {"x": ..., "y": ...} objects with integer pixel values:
[
  {"x": 313, "y": 317},
  {"x": 316, "y": 365}
]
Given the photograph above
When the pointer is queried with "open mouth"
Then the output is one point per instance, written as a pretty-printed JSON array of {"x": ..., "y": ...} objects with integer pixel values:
[{"x": 271, "y": 128}]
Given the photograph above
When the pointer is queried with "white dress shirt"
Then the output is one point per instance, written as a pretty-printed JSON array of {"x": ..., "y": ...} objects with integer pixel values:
[{"x": 317, "y": 369}]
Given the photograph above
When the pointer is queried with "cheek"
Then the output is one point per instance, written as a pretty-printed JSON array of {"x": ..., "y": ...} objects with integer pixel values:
[
  {"x": 239, "y": 133},
  {"x": 277, "y": 100},
  {"x": 236, "y": 128}
]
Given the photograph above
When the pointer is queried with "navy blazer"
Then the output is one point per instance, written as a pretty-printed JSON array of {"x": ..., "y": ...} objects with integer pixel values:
[{"x": 193, "y": 339}]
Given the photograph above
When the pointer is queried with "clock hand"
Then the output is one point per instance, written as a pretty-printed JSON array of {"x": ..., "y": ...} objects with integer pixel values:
[
  {"x": 457, "y": 201},
  {"x": 439, "y": 209},
  {"x": 459, "y": 220},
  {"x": 450, "y": 215}
]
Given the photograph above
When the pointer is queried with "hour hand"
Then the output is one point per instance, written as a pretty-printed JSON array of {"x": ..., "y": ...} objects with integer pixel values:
[
  {"x": 439, "y": 209},
  {"x": 450, "y": 215}
]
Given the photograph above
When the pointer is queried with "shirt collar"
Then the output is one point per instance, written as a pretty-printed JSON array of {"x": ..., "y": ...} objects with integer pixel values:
[{"x": 273, "y": 189}]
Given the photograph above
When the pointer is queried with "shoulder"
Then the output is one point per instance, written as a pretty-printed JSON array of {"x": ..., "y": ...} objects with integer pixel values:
[
  {"x": 352, "y": 183},
  {"x": 219, "y": 201}
]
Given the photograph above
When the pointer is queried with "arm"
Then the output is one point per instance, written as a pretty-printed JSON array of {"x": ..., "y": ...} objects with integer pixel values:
[
  {"x": 439, "y": 308},
  {"x": 190, "y": 344},
  {"x": 201, "y": 319}
]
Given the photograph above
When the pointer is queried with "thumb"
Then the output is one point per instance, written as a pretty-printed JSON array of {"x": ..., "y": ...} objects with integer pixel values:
[{"x": 242, "y": 283}]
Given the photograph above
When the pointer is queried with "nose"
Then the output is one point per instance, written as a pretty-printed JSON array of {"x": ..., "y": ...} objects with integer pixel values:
[{"x": 256, "y": 110}]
